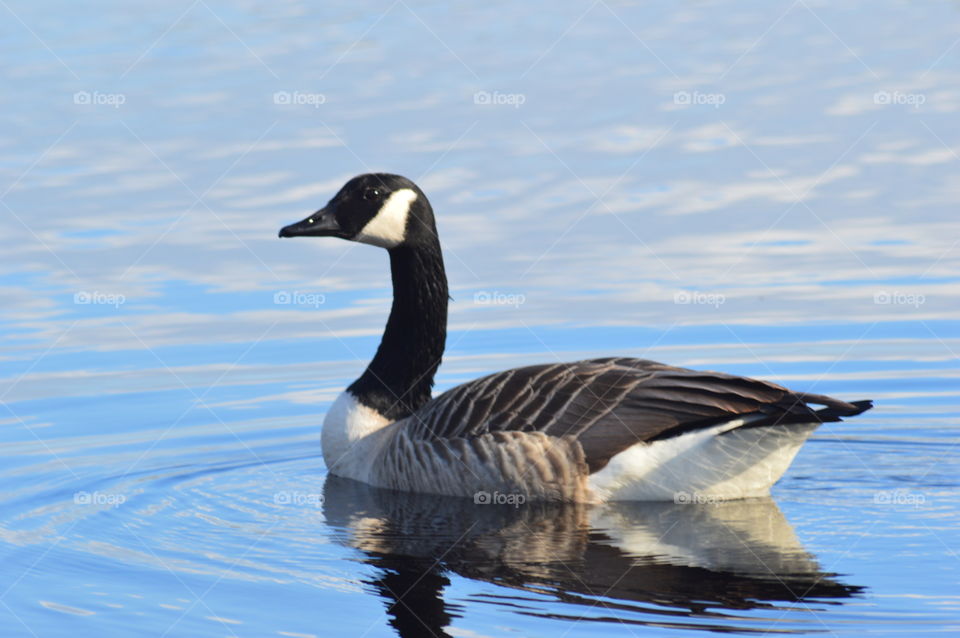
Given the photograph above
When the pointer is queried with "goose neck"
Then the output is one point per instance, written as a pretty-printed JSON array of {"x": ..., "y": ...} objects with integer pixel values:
[{"x": 399, "y": 379}]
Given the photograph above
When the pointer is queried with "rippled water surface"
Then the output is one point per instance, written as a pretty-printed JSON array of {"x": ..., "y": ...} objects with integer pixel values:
[{"x": 762, "y": 188}]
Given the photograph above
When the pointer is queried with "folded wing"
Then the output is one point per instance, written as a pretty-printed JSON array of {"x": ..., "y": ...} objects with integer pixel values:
[{"x": 609, "y": 404}]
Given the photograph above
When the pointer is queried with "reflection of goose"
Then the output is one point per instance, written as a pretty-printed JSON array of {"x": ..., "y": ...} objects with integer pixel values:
[
  {"x": 603, "y": 429},
  {"x": 648, "y": 563}
]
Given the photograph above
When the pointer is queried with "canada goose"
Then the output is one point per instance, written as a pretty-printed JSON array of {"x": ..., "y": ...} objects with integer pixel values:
[{"x": 595, "y": 430}]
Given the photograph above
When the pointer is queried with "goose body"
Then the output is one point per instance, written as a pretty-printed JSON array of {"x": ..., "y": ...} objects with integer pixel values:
[{"x": 590, "y": 431}]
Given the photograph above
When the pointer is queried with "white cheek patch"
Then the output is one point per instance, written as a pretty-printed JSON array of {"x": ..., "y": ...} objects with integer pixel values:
[{"x": 388, "y": 228}]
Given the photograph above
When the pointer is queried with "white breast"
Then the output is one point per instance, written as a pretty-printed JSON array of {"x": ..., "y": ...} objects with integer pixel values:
[{"x": 348, "y": 437}]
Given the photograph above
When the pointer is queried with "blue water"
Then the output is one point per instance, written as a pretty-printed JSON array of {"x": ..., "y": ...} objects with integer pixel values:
[{"x": 764, "y": 188}]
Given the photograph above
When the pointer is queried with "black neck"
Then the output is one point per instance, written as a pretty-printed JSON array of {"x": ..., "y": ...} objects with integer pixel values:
[{"x": 400, "y": 377}]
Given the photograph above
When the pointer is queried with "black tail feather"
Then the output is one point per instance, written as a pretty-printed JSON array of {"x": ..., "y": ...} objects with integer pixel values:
[
  {"x": 837, "y": 409},
  {"x": 800, "y": 412}
]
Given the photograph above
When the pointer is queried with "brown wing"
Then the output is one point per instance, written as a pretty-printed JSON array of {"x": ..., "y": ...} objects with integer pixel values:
[{"x": 610, "y": 404}]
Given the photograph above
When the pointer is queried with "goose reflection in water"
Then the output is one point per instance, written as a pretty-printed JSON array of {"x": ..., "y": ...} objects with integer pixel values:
[{"x": 663, "y": 564}]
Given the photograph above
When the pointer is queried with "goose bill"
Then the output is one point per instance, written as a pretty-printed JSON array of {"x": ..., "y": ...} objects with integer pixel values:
[{"x": 322, "y": 223}]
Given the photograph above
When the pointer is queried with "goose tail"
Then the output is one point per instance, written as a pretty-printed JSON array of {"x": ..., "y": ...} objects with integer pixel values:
[{"x": 835, "y": 409}]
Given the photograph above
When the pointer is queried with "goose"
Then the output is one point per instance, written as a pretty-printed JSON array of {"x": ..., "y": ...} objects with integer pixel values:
[{"x": 606, "y": 429}]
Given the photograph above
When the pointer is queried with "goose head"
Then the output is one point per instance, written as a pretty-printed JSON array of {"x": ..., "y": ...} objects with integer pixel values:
[{"x": 376, "y": 208}]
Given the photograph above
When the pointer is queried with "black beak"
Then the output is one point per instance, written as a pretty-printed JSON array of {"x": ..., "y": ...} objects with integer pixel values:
[{"x": 322, "y": 223}]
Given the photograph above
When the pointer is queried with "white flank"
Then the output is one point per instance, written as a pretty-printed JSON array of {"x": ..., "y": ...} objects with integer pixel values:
[
  {"x": 715, "y": 463},
  {"x": 388, "y": 228},
  {"x": 348, "y": 448}
]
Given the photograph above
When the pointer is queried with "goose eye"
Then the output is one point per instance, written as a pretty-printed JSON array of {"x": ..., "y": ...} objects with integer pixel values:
[{"x": 371, "y": 193}]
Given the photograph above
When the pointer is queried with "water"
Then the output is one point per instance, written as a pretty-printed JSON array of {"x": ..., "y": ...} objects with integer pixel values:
[{"x": 768, "y": 189}]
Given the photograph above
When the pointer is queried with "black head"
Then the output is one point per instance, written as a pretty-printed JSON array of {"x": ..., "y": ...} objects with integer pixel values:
[{"x": 377, "y": 208}]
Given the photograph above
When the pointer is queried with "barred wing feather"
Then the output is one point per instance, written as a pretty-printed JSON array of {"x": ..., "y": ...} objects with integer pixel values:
[{"x": 609, "y": 404}]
